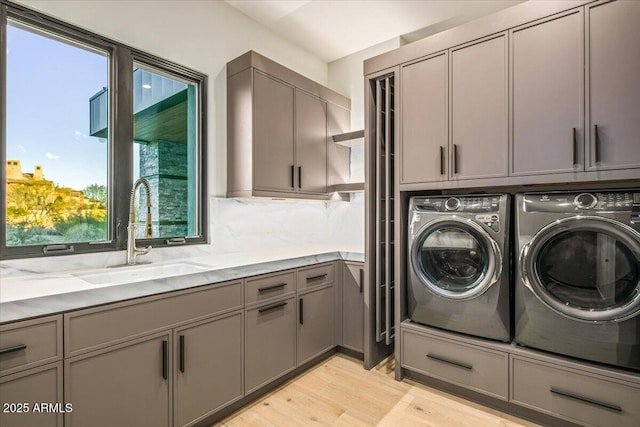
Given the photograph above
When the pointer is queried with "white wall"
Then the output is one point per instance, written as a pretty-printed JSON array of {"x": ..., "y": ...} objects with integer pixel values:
[{"x": 202, "y": 35}]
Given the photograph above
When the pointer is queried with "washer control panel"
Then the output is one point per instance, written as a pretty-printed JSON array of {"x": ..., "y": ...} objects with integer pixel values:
[
  {"x": 584, "y": 201},
  {"x": 452, "y": 204}
]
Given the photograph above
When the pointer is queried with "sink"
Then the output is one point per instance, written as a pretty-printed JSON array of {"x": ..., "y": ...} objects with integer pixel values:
[{"x": 138, "y": 273}]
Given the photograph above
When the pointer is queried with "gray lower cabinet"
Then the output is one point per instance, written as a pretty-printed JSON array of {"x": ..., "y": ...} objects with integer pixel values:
[
  {"x": 479, "y": 109},
  {"x": 480, "y": 369},
  {"x": 548, "y": 95},
  {"x": 207, "y": 367},
  {"x": 270, "y": 342},
  {"x": 585, "y": 398},
  {"x": 32, "y": 398},
  {"x": 125, "y": 385},
  {"x": 613, "y": 91},
  {"x": 316, "y": 317},
  {"x": 424, "y": 120},
  {"x": 353, "y": 306}
]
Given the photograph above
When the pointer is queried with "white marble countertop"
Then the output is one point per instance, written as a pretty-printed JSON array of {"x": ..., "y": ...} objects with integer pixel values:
[{"x": 27, "y": 293}]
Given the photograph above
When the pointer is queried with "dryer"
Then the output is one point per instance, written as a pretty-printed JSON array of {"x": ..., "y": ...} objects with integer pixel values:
[
  {"x": 577, "y": 279},
  {"x": 458, "y": 264}
]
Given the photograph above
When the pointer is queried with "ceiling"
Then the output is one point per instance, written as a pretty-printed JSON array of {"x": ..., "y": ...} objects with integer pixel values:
[{"x": 332, "y": 29}]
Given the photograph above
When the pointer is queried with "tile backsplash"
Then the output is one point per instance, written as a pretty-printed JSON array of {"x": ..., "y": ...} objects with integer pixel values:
[{"x": 254, "y": 224}]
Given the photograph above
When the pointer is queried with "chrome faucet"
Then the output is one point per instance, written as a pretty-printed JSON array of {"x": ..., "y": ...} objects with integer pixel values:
[{"x": 132, "y": 227}]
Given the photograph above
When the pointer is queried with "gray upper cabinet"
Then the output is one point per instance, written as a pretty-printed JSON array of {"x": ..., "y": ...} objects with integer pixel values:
[
  {"x": 548, "y": 96},
  {"x": 613, "y": 88},
  {"x": 273, "y": 146},
  {"x": 208, "y": 367},
  {"x": 424, "y": 125},
  {"x": 277, "y": 124},
  {"x": 311, "y": 143},
  {"x": 479, "y": 109}
]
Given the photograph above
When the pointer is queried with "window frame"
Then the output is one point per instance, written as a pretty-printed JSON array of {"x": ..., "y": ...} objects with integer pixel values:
[{"x": 120, "y": 138}]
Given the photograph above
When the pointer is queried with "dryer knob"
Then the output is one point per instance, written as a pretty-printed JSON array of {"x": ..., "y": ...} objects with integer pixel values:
[
  {"x": 452, "y": 204},
  {"x": 585, "y": 201}
]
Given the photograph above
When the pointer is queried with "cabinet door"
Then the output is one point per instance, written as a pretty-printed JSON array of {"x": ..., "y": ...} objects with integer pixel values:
[
  {"x": 315, "y": 324},
  {"x": 208, "y": 368},
  {"x": 273, "y": 134},
  {"x": 123, "y": 385},
  {"x": 547, "y": 73},
  {"x": 270, "y": 343},
  {"x": 424, "y": 123},
  {"x": 31, "y": 387},
  {"x": 479, "y": 116},
  {"x": 353, "y": 307},
  {"x": 613, "y": 84},
  {"x": 311, "y": 143}
]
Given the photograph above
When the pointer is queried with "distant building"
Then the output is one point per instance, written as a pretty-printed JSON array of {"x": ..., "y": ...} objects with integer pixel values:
[{"x": 14, "y": 172}]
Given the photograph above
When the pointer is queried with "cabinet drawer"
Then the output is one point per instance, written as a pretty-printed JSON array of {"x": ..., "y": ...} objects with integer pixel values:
[
  {"x": 30, "y": 343},
  {"x": 315, "y": 276},
  {"x": 577, "y": 396},
  {"x": 478, "y": 369},
  {"x": 265, "y": 288},
  {"x": 87, "y": 330}
]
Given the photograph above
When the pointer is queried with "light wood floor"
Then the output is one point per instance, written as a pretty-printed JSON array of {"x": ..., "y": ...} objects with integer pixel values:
[{"x": 339, "y": 392}]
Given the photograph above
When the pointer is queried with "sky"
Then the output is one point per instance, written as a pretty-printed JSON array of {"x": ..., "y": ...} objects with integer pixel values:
[{"x": 49, "y": 85}]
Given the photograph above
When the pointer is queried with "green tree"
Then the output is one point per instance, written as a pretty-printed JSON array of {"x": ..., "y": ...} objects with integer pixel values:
[{"x": 96, "y": 192}]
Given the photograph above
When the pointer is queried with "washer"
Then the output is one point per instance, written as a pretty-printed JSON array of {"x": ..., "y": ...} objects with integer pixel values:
[
  {"x": 577, "y": 280},
  {"x": 458, "y": 266}
]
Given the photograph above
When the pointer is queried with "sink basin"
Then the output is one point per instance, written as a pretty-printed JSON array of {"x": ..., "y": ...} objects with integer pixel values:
[{"x": 137, "y": 273}]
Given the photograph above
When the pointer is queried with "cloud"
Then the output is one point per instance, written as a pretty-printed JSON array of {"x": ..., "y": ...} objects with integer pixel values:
[
  {"x": 52, "y": 156},
  {"x": 79, "y": 135},
  {"x": 21, "y": 148}
]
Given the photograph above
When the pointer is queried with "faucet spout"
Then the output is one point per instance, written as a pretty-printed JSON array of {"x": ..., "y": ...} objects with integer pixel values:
[{"x": 132, "y": 250}]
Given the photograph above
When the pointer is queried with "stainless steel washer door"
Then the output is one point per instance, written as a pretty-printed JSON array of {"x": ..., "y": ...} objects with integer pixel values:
[
  {"x": 586, "y": 268},
  {"x": 455, "y": 258}
]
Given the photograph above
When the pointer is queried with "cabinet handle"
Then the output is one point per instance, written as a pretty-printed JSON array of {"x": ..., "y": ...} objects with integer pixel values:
[
  {"x": 293, "y": 184},
  {"x": 13, "y": 348},
  {"x": 575, "y": 147},
  {"x": 450, "y": 362},
  {"x": 585, "y": 399},
  {"x": 455, "y": 158},
  {"x": 321, "y": 276},
  {"x": 597, "y": 141},
  {"x": 165, "y": 359},
  {"x": 181, "y": 353},
  {"x": 441, "y": 160},
  {"x": 301, "y": 311},
  {"x": 361, "y": 279},
  {"x": 272, "y": 307},
  {"x": 270, "y": 288},
  {"x": 299, "y": 176}
]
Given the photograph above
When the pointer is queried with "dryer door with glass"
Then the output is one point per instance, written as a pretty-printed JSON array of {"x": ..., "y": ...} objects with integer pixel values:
[
  {"x": 586, "y": 268},
  {"x": 455, "y": 258}
]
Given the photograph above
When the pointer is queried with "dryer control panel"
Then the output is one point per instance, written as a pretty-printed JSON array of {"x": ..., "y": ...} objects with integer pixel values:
[
  {"x": 458, "y": 204},
  {"x": 584, "y": 201}
]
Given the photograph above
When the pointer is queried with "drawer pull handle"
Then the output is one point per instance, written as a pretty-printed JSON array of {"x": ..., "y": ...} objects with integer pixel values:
[
  {"x": 585, "y": 399},
  {"x": 272, "y": 307},
  {"x": 450, "y": 362},
  {"x": 182, "y": 353},
  {"x": 270, "y": 288},
  {"x": 321, "y": 276},
  {"x": 12, "y": 349},
  {"x": 165, "y": 359}
]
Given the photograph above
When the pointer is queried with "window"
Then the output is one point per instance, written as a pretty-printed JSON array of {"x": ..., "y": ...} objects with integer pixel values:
[{"x": 83, "y": 118}]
